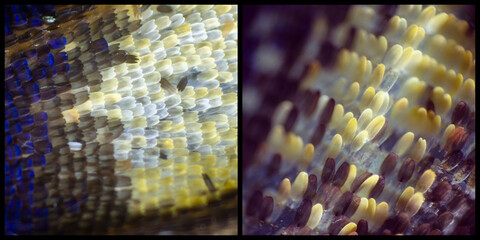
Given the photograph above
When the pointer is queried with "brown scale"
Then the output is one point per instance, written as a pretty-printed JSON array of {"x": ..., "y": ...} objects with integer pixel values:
[
  {"x": 313, "y": 102},
  {"x": 441, "y": 190},
  {"x": 443, "y": 220},
  {"x": 327, "y": 111},
  {"x": 352, "y": 207},
  {"x": 267, "y": 208},
  {"x": 378, "y": 189},
  {"x": 165, "y": 84},
  {"x": 460, "y": 113},
  {"x": 274, "y": 165},
  {"x": 406, "y": 170},
  {"x": 182, "y": 84},
  {"x": 362, "y": 227},
  {"x": 425, "y": 164},
  {"x": 304, "y": 231},
  {"x": 343, "y": 203},
  {"x": 457, "y": 201},
  {"x": 422, "y": 229},
  {"x": 328, "y": 170},
  {"x": 254, "y": 203},
  {"x": 341, "y": 175},
  {"x": 322, "y": 193},
  {"x": 291, "y": 119},
  {"x": 289, "y": 230},
  {"x": 318, "y": 134},
  {"x": 311, "y": 187},
  {"x": 333, "y": 197},
  {"x": 388, "y": 164},
  {"x": 359, "y": 180},
  {"x": 337, "y": 224}
]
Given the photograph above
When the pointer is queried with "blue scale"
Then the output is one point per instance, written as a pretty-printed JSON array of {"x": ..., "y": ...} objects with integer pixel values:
[
  {"x": 13, "y": 83},
  {"x": 25, "y": 75},
  {"x": 99, "y": 45},
  {"x": 19, "y": 20},
  {"x": 65, "y": 68},
  {"x": 15, "y": 129},
  {"x": 40, "y": 131},
  {"x": 28, "y": 163},
  {"x": 9, "y": 73},
  {"x": 32, "y": 89},
  {"x": 43, "y": 149},
  {"x": 23, "y": 138},
  {"x": 47, "y": 60},
  {"x": 27, "y": 120},
  {"x": 8, "y": 100},
  {"x": 20, "y": 64},
  {"x": 57, "y": 42},
  {"x": 28, "y": 148},
  {"x": 39, "y": 73},
  {"x": 40, "y": 117},
  {"x": 61, "y": 57},
  {"x": 10, "y": 113},
  {"x": 8, "y": 139},
  {"x": 38, "y": 160},
  {"x": 8, "y": 30},
  {"x": 51, "y": 71},
  {"x": 32, "y": 53},
  {"x": 34, "y": 98}
]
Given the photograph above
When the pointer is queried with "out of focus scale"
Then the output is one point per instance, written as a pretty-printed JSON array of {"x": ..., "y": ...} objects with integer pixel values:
[{"x": 359, "y": 120}]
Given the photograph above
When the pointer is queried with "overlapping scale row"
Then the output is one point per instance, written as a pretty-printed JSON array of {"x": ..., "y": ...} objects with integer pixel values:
[
  {"x": 365, "y": 121},
  {"x": 118, "y": 113}
]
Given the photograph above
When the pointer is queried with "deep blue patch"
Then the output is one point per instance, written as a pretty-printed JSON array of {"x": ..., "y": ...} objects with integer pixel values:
[
  {"x": 8, "y": 140},
  {"x": 36, "y": 22},
  {"x": 8, "y": 30}
]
